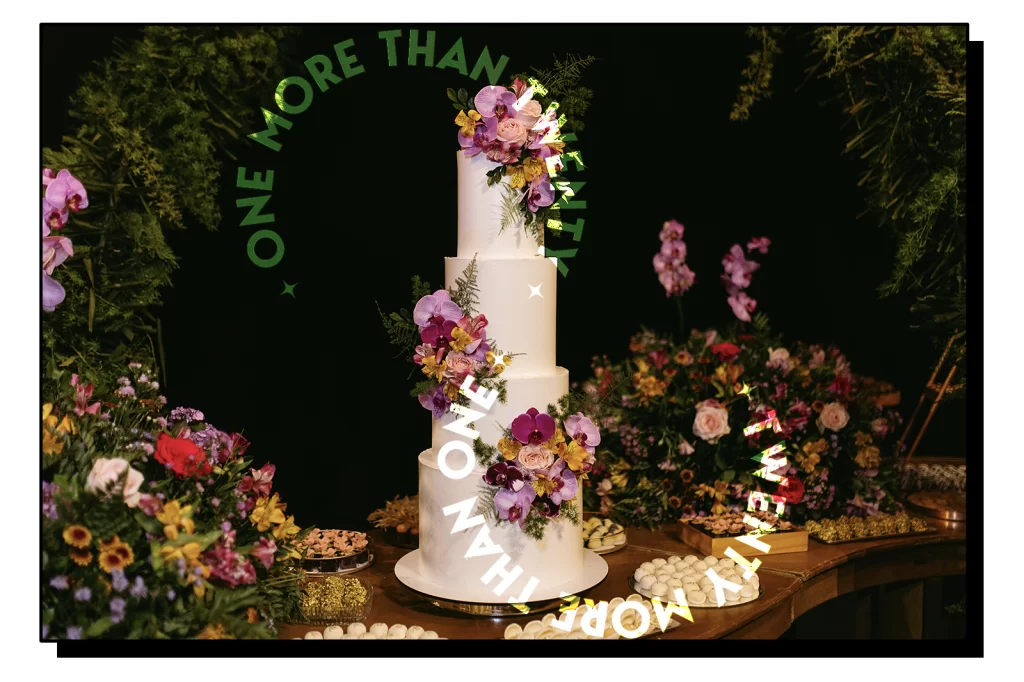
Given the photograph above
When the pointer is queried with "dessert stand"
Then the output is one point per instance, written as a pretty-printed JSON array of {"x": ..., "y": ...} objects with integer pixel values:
[{"x": 477, "y": 599}]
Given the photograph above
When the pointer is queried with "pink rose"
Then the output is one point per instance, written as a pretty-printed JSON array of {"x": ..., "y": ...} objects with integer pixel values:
[
  {"x": 528, "y": 114},
  {"x": 106, "y": 472},
  {"x": 711, "y": 422},
  {"x": 779, "y": 358},
  {"x": 459, "y": 366},
  {"x": 512, "y": 131},
  {"x": 834, "y": 416},
  {"x": 880, "y": 427},
  {"x": 536, "y": 457}
]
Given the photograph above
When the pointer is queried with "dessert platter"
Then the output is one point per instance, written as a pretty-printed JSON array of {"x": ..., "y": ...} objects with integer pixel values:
[
  {"x": 573, "y": 620},
  {"x": 602, "y": 535},
  {"x": 336, "y": 551},
  {"x": 857, "y": 528},
  {"x": 660, "y": 578},
  {"x": 712, "y": 535},
  {"x": 399, "y": 519},
  {"x": 375, "y": 631},
  {"x": 513, "y": 283}
]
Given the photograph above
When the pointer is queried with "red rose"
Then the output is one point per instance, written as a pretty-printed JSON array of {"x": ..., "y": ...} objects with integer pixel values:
[
  {"x": 793, "y": 491},
  {"x": 185, "y": 457},
  {"x": 725, "y": 351}
]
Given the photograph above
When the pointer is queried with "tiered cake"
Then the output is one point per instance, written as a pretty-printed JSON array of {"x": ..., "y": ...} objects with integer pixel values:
[{"x": 517, "y": 294}]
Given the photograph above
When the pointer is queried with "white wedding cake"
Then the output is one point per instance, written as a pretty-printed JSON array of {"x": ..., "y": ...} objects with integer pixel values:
[{"x": 517, "y": 294}]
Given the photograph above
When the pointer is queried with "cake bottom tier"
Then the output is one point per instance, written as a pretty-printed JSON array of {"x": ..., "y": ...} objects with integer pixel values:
[{"x": 554, "y": 560}]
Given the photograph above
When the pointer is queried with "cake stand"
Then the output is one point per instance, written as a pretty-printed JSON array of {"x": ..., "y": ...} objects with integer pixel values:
[{"x": 477, "y": 599}]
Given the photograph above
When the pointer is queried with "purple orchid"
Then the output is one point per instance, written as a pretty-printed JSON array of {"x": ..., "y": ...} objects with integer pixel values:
[
  {"x": 53, "y": 293},
  {"x": 738, "y": 269},
  {"x": 583, "y": 431},
  {"x": 514, "y": 506},
  {"x": 546, "y": 507},
  {"x": 483, "y": 138},
  {"x": 494, "y": 101},
  {"x": 53, "y": 217},
  {"x": 65, "y": 190},
  {"x": 437, "y": 402},
  {"x": 435, "y": 308},
  {"x": 438, "y": 335},
  {"x": 742, "y": 305},
  {"x": 540, "y": 193},
  {"x": 759, "y": 244},
  {"x": 55, "y": 251},
  {"x": 671, "y": 230},
  {"x": 506, "y": 475},
  {"x": 560, "y": 484},
  {"x": 674, "y": 249},
  {"x": 533, "y": 427}
]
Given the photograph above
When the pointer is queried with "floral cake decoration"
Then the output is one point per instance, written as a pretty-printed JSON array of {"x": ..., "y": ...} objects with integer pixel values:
[{"x": 537, "y": 467}]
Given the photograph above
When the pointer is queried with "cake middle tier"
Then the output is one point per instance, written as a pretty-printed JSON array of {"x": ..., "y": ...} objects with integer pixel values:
[
  {"x": 522, "y": 393},
  {"x": 517, "y": 296}
]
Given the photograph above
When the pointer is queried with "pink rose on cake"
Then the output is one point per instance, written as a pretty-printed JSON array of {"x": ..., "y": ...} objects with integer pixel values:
[
  {"x": 834, "y": 417},
  {"x": 459, "y": 367},
  {"x": 513, "y": 131},
  {"x": 529, "y": 113},
  {"x": 711, "y": 422},
  {"x": 533, "y": 457}
]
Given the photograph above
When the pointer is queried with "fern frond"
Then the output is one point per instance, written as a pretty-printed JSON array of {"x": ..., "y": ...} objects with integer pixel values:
[
  {"x": 465, "y": 292},
  {"x": 511, "y": 208}
]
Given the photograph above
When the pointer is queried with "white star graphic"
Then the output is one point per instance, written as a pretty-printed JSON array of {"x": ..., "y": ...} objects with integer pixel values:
[
  {"x": 535, "y": 290},
  {"x": 499, "y": 360}
]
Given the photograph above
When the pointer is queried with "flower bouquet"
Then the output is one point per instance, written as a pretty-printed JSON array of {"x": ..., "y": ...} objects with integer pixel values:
[
  {"x": 676, "y": 413},
  {"x": 513, "y": 128},
  {"x": 154, "y": 525},
  {"x": 540, "y": 461}
]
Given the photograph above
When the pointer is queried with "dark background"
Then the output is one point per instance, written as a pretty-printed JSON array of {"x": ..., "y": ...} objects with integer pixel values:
[{"x": 364, "y": 197}]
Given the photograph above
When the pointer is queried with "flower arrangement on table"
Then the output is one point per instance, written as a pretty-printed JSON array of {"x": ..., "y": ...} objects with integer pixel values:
[
  {"x": 154, "y": 525},
  {"x": 540, "y": 461},
  {"x": 448, "y": 342},
  {"x": 517, "y": 129},
  {"x": 674, "y": 414}
]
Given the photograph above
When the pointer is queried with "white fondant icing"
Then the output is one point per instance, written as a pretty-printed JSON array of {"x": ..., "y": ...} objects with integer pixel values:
[{"x": 480, "y": 209}]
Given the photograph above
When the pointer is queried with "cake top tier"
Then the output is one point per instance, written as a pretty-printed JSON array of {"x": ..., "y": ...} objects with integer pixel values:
[{"x": 480, "y": 215}]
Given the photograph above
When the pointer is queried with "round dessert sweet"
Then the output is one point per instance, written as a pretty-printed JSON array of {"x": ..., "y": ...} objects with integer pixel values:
[
  {"x": 647, "y": 581},
  {"x": 696, "y": 597},
  {"x": 747, "y": 591},
  {"x": 690, "y": 580},
  {"x": 659, "y": 562},
  {"x": 726, "y": 562},
  {"x": 513, "y": 631},
  {"x": 639, "y": 573},
  {"x": 648, "y": 566},
  {"x": 334, "y": 632},
  {"x": 615, "y": 602},
  {"x": 689, "y": 571},
  {"x": 707, "y": 588},
  {"x": 527, "y": 635},
  {"x": 678, "y": 575},
  {"x": 414, "y": 632},
  {"x": 314, "y": 634},
  {"x": 705, "y": 582},
  {"x": 367, "y": 635},
  {"x": 577, "y": 634},
  {"x": 659, "y": 589},
  {"x": 675, "y": 582},
  {"x": 379, "y": 629},
  {"x": 398, "y": 630},
  {"x": 548, "y": 619},
  {"x": 429, "y": 634},
  {"x": 689, "y": 559},
  {"x": 347, "y": 636},
  {"x": 634, "y": 597},
  {"x": 732, "y": 596},
  {"x": 699, "y": 566},
  {"x": 735, "y": 579},
  {"x": 356, "y": 629},
  {"x": 692, "y": 587},
  {"x": 664, "y": 577},
  {"x": 674, "y": 559},
  {"x": 710, "y": 560},
  {"x": 533, "y": 627}
]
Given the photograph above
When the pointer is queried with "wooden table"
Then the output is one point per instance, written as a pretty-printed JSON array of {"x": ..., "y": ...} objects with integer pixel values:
[{"x": 793, "y": 584}]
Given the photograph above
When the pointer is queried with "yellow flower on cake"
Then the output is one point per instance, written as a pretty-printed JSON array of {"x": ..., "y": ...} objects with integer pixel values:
[
  {"x": 557, "y": 439},
  {"x": 517, "y": 176},
  {"x": 268, "y": 511},
  {"x": 509, "y": 448},
  {"x": 460, "y": 339},
  {"x": 500, "y": 366},
  {"x": 467, "y": 122},
  {"x": 451, "y": 391},
  {"x": 77, "y": 536},
  {"x": 868, "y": 457},
  {"x": 575, "y": 455},
  {"x": 286, "y": 529},
  {"x": 434, "y": 370},
  {"x": 534, "y": 168}
]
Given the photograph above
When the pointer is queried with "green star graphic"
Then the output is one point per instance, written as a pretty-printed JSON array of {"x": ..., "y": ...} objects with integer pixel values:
[{"x": 289, "y": 288}]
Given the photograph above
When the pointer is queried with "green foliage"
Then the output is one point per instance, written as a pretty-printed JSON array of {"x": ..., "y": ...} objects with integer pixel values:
[
  {"x": 486, "y": 455},
  {"x": 904, "y": 92},
  {"x": 465, "y": 293},
  {"x": 562, "y": 82},
  {"x": 154, "y": 122},
  {"x": 461, "y": 100}
]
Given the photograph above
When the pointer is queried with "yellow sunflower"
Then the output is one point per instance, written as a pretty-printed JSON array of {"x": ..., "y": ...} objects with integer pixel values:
[
  {"x": 81, "y": 558},
  {"x": 115, "y": 554},
  {"x": 77, "y": 536}
]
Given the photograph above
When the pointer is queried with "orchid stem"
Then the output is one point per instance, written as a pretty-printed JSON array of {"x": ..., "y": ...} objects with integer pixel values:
[{"x": 682, "y": 327}]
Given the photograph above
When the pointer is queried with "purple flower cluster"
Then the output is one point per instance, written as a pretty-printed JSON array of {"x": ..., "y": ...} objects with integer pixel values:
[
  {"x": 669, "y": 262},
  {"x": 63, "y": 192},
  {"x": 49, "y": 505},
  {"x": 738, "y": 275},
  {"x": 186, "y": 414},
  {"x": 632, "y": 443}
]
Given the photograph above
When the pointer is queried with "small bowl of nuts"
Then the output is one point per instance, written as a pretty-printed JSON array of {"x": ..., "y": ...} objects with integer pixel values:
[
  {"x": 329, "y": 599},
  {"x": 601, "y": 534}
]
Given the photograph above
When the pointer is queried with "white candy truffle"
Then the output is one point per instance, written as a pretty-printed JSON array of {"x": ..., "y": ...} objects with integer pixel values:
[
  {"x": 735, "y": 579},
  {"x": 678, "y": 575},
  {"x": 615, "y": 602},
  {"x": 415, "y": 632},
  {"x": 690, "y": 580},
  {"x": 710, "y": 560},
  {"x": 659, "y": 562},
  {"x": 689, "y": 559},
  {"x": 692, "y": 587},
  {"x": 527, "y": 635},
  {"x": 548, "y": 619},
  {"x": 659, "y": 589},
  {"x": 699, "y": 566},
  {"x": 533, "y": 627},
  {"x": 674, "y": 583},
  {"x": 705, "y": 582},
  {"x": 732, "y": 596},
  {"x": 664, "y": 578},
  {"x": 639, "y": 573},
  {"x": 696, "y": 597},
  {"x": 649, "y": 567},
  {"x": 367, "y": 635},
  {"x": 356, "y": 629},
  {"x": 647, "y": 581},
  {"x": 334, "y": 632},
  {"x": 398, "y": 630},
  {"x": 634, "y": 597},
  {"x": 747, "y": 591},
  {"x": 350, "y": 636},
  {"x": 675, "y": 559},
  {"x": 513, "y": 631},
  {"x": 707, "y": 588},
  {"x": 314, "y": 634},
  {"x": 379, "y": 629},
  {"x": 726, "y": 563},
  {"x": 429, "y": 634},
  {"x": 689, "y": 571},
  {"x": 664, "y": 570}
]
